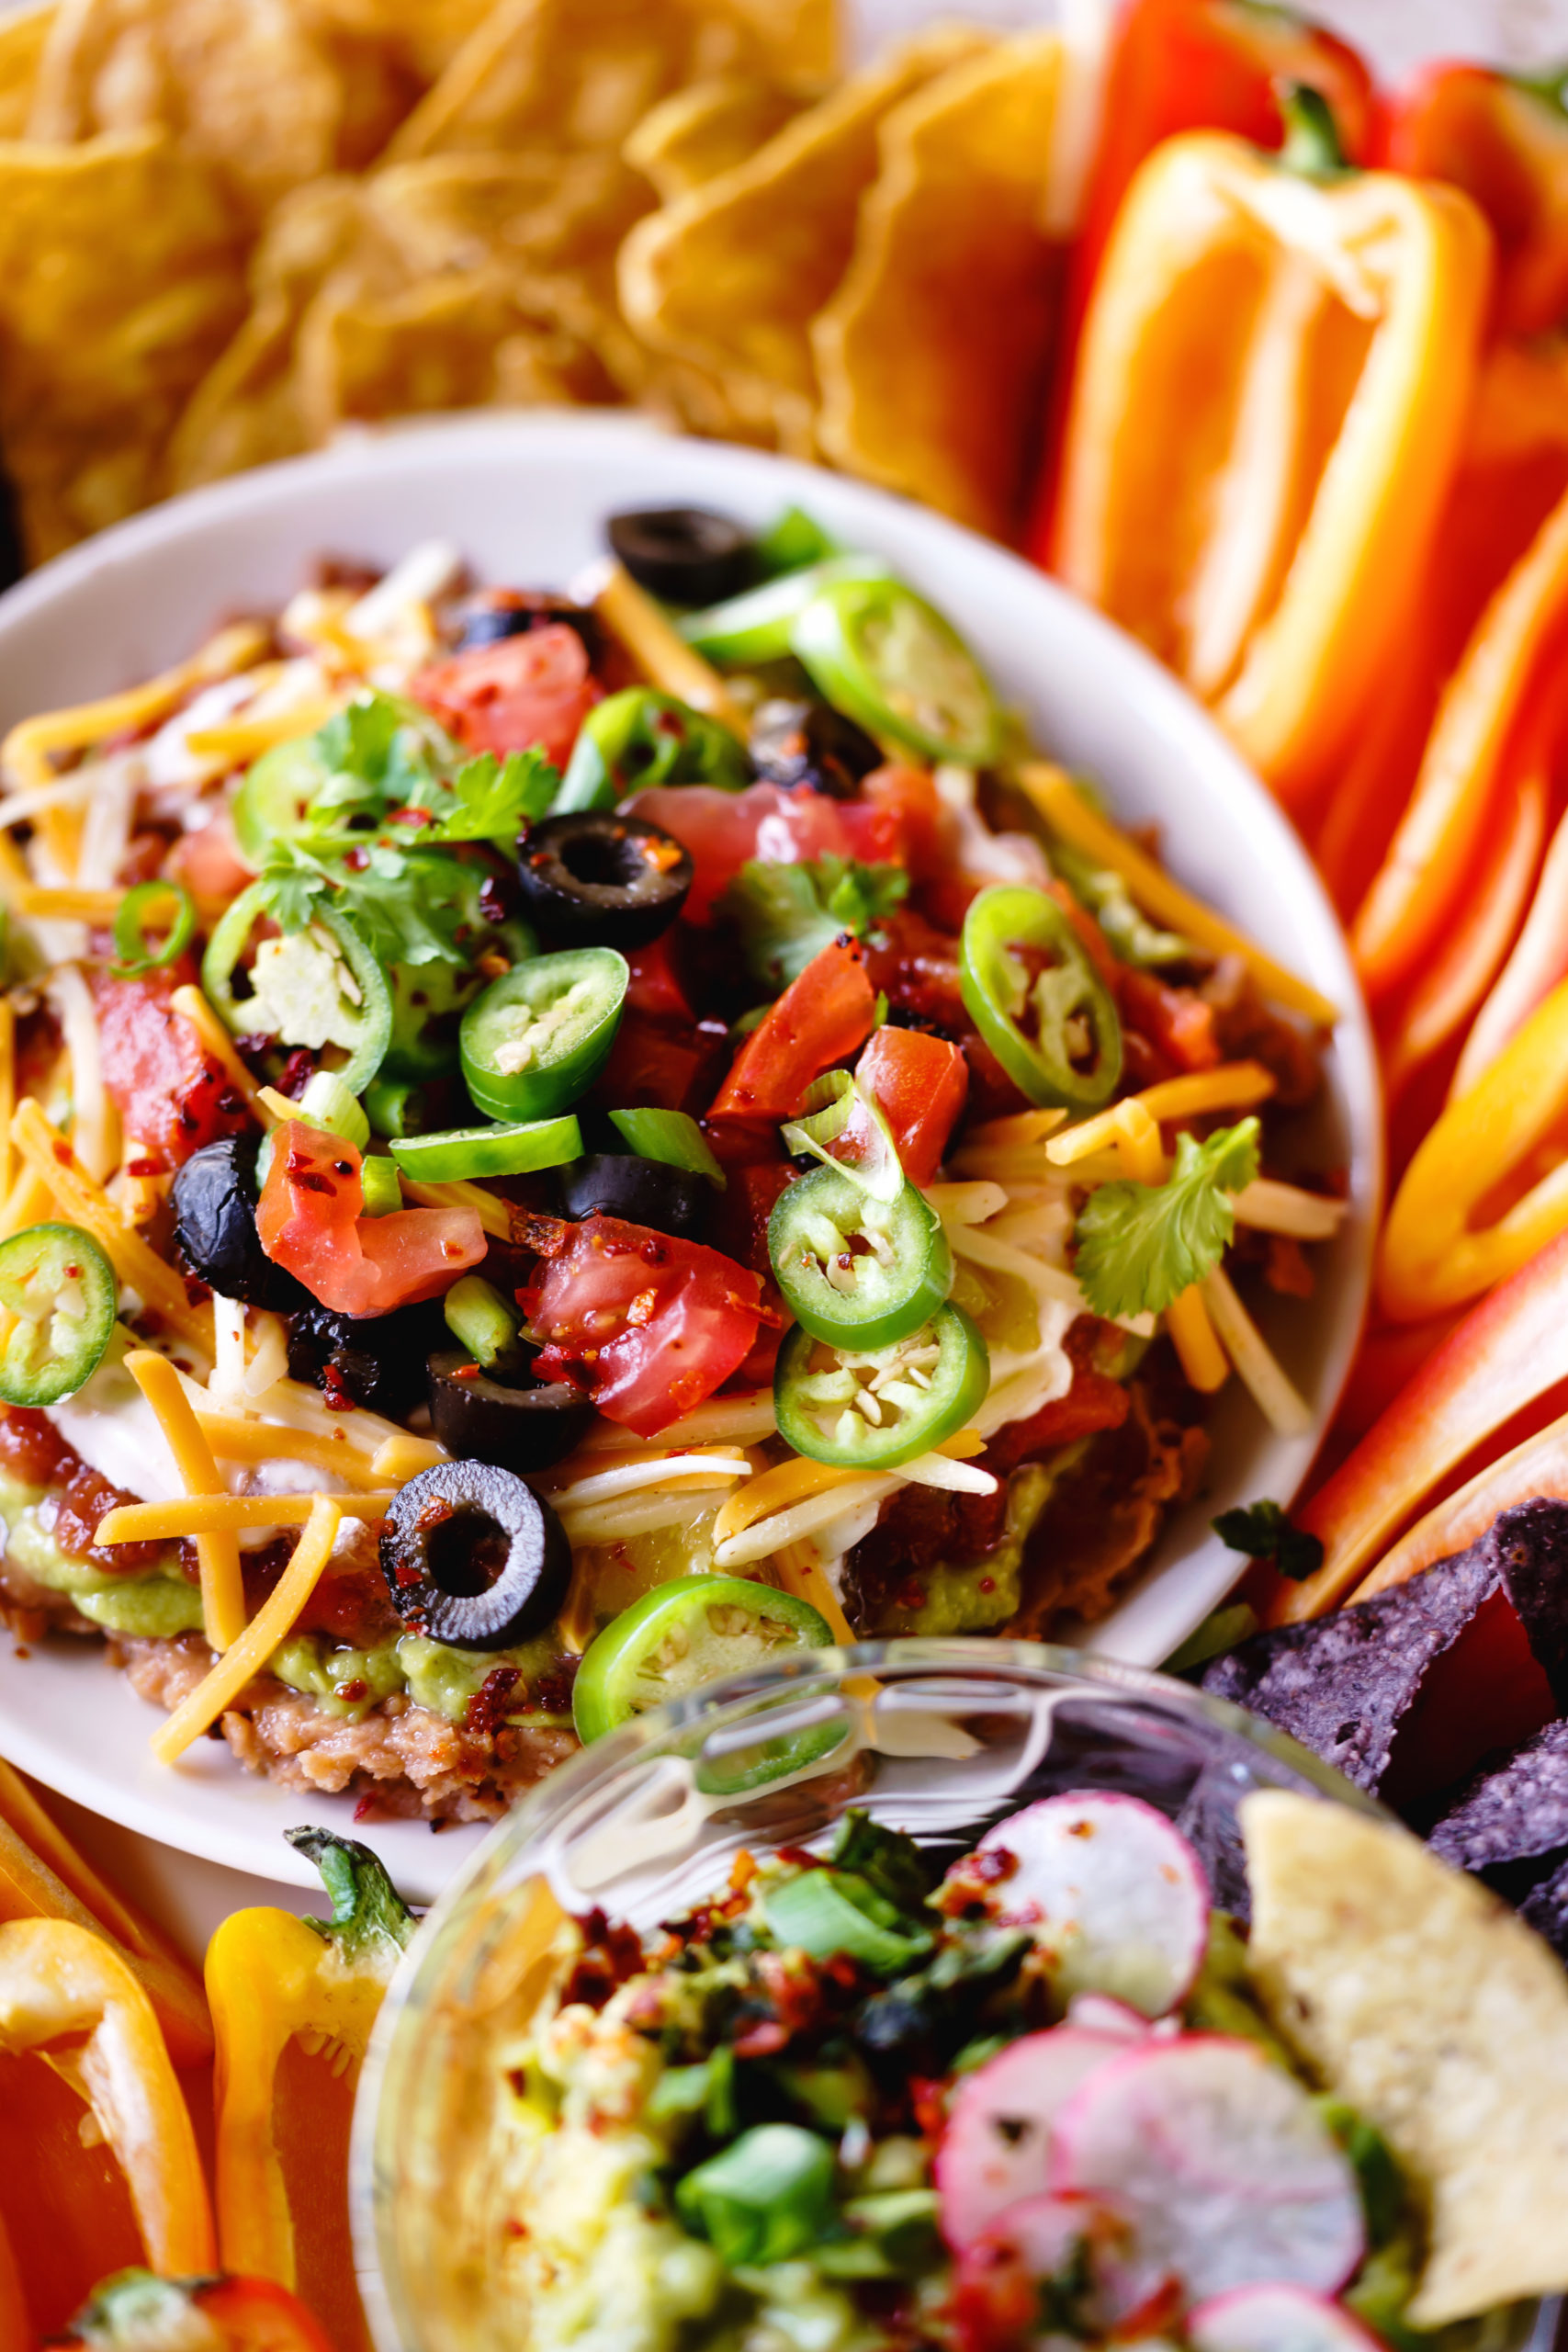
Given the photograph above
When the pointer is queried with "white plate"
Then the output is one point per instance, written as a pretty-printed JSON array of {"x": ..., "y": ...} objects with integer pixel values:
[{"x": 523, "y": 497}]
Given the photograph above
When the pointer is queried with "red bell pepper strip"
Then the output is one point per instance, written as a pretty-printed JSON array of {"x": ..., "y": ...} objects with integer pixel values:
[
  {"x": 1180, "y": 65},
  {"x": 1502, "y": 139},
  {"x": 818, "y": 1021},
  {"x": 1538, "y": 1466},
  {"x": 1509, "y": 1351},
  {"x": 919, "y": 1084}
]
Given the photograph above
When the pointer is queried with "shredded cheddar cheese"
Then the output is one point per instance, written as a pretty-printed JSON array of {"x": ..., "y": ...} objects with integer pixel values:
[
  {"x": 66, "y": 904},
  {"x": 86, "y": 1203},
  {"x": 776, "y": 1490},
  {"x": 214, "y": 1514},
  {"x": 660, "y": 652},
  {"x": 1233, "y": 1086},
  {"x": 801, "y": 1573},
  {"x": 26, "y": 752},
  {"x": 403, "y": 1457},
  {"x": 235, "y": 1437},
  {"x": 218, "y": 1552},
  {"x": 1065, "y": 808},
  {"x": 1192, "y": 1336},
  {"x": 7, "y": 1090},
  {"x": 237, "y": 742},
  {"x": 271, "y": 1624}
]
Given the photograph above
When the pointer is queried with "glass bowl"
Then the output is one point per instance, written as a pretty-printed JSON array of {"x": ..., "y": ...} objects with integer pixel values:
[{"x": 939, "y": 1738}]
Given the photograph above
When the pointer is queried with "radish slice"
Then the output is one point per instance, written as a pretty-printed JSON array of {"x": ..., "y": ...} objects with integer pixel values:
[
  {"x": 1107, "y": 1883},
  {"x": 1068, "y": 2242},
  {"x": 996, "y": 2149},
  {"x": 1277, "y": 2319},
  {"x": 1102, "y": 2013},
  {"x": 1220, "y": 2161}
]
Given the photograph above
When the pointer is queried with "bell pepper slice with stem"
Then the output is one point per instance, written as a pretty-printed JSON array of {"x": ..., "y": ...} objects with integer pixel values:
[
  {"x": 1309, "y": 337},
  {"x": 293, "y": 2003},
  {"x": 1467, "y": 1215},
  {"x": 1538, "y": 964},
  {"x": 820, "y": 1019},
  {"x": 1504, "y": 139},
  {"x": 135, "y": 2311},
  {"x": 67, "y": 1995},
  {"x": 43, "y": 1877},
  {"x": 1508, "y": 1353},
  {"x": 1431, "y": 861}
]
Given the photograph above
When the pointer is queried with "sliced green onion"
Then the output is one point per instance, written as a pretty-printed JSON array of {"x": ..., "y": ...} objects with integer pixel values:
[
  {"x": 327, "y": 1103},
  {"x": 767, "y": 2197},
  {"x": 671, "y": 1136},
  {"x": 383, "y": 1186},
  {"x": 395, "y": 1107},
  {"x": 134, "y": 950},
  {"x": 827, "y": 1913},
  {"x": 481, "y": 1321},
  {"x": 829, "y": 1104},
  {"x": 456, "y": 1154}
]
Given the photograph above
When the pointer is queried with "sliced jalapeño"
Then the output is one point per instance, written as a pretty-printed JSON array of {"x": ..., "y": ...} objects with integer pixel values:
[
  {"x": 315, "y": 987},
  {"x": 856, "y": 1270},
  {"x": 872, "y": 1408},
  {"x": 538, "y": 1037},
  {"x": 58, "y": 1291},
  {"x": 887, "y": 660},
  {"x": 1037, "y": 999}
]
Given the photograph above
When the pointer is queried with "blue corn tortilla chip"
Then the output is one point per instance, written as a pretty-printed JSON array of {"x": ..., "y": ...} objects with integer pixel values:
[
  {"x": 1515, "y": 1812},
  {"x": 1342, "y": 1685},
  {"x": 1545, "y": 1909}
]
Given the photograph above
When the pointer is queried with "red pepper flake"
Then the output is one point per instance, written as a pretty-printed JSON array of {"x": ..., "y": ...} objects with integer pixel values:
[
  {"x": 486, "y": 1710},
  {"x": 152, "y": 1166},
  {"x": 64, "y": 1154}
]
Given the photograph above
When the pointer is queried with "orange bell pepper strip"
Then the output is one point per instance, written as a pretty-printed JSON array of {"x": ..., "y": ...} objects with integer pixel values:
[
  {"x": 43, "y": 1877},
  {"x": 1536, "y": 1466},
  {"x": 1509, "y": 1351},
  {"x": 1538, "y": 964},
  {"x": 1431, "y": 862},
  {"x": 63, "y": 1992},
  {"x": 1504, "y": 139},
  {"x": 293, "y": 2002},
  {"x": 1488, "y": 1185},
  {"x": 135, "y": 2312},
  {"x": 1268, "y": 405}
]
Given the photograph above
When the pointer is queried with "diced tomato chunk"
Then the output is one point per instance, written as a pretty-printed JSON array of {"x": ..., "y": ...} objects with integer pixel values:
[
  {"x": 310, "y": 1221},
  {"x": 170, "y": 1093},
  {"x": 535, "y": 688},
  {"x": 924, "y": 835},
  {"x": 722, "y": 829},
  {"x": 659, "y": 1067},
  {"x": 818, "y": 1021},
  {"x": 653, "y": 988},
  {"x": 1178, "y": 1023},
  {"x": 920, "y": 1083},
  {"x": 648, "y": 1325}
]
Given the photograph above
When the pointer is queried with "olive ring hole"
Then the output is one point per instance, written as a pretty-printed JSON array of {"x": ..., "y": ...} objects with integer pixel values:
[
  {"x": 467, "y": 1553},
  {"x": 599, "y": 861}
]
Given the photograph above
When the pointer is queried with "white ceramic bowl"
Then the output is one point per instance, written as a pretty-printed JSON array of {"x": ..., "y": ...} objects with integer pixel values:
[{"x": 524, "y": 498}]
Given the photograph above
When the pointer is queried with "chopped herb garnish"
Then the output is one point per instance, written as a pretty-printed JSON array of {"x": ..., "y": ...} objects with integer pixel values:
[
  {"x": 1264, "y": 1531},
  {"x": 1139, "y": 1246}
]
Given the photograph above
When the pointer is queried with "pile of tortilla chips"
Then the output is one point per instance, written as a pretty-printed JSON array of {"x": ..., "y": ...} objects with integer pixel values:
[{"x": 229, "y": 229}]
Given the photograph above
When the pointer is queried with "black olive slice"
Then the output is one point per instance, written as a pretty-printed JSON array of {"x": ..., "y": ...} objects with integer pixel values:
[
  {"x": 496, "y": 613},
  {"x": 473, "y": 1558},
  {"x": 643, "y": 1192},
  {"x": 685, "y": 554},
  {"x": 214, "y": 1197},
  {"x": 810, "y": 742},
  {"x": 596, "y": 877},
  {"x": 377, "y": 1361},
  {"x": 487, "y": 1421}
]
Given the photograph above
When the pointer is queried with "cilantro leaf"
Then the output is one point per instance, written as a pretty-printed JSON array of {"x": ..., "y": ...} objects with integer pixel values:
[
  {"x": 408, "y": 908},
  {"x": 492, "y": 802},
  {"x": 1264, "y": 1531},
  {"x": 378, "y": 753},
  {"x": 786, "y": 914},
  {"x": 1139, "y": 1246}
]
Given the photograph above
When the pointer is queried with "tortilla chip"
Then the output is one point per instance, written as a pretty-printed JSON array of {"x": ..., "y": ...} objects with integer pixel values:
[
  {"x": 422, "y": 35},
  {"x": 798, "y": 41},
  {"x": 729, "y": 278},
  {"x": 242, "y": 84},
  {"x": 119, "y": 285},
  {"x": 22, "y": 39},
  {"x": 1417, "y": 1996},
  {"x": 1517, "y": 1812},
  {"x": 933, "y": 354},
  {"x": 689, "y": 138}
]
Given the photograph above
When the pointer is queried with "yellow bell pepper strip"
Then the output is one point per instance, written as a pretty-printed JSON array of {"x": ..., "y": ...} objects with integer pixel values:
[
  {"x": 1270, "y": 402},
  {"x": 1509, "y": 1351},
  {"x": 65, "y": 1994},
  {"x": 1067, "y": 812},
  {"x": 1430, "y": 865},
  {"x": 43, "y": 1877},
  {"x": 135, "y": 2311},
  {"x": 1488, "y": 1185},
  {"x": 293, "y": 2002}
]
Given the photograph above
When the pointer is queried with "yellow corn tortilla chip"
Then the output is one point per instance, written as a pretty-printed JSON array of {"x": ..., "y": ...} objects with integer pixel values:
[
  {"x": 242, "y": 85},
  {"x": 1421, "y": 1999},
  {"x": 933, "y": 354},
  {"x": 689, "y": 138},
  {"x": 729, "y": 278},
  {"x": 422, "y": 35},
  {"x": 799, "y": 41},
  {"x": 120, "y": 283},
  {"x": 22, "y": 38}
]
